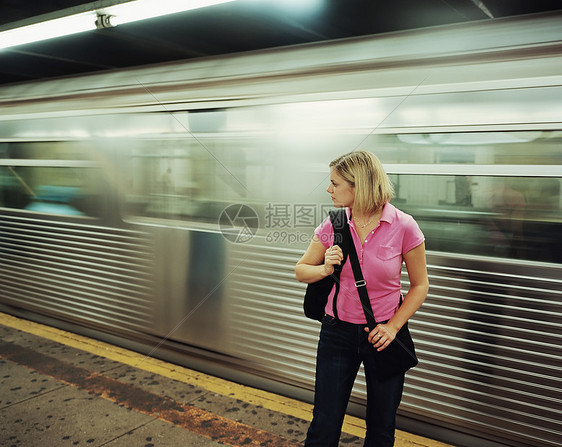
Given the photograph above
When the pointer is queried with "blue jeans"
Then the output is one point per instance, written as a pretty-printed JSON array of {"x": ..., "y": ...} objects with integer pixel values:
[{"x": 341, "y": 349}]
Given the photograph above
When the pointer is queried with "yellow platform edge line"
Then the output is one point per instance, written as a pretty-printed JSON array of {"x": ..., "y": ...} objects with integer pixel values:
[{"x": 352, "y": 425}]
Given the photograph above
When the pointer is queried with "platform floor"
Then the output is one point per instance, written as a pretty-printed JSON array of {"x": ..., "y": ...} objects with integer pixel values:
[{"x": 62, "y": 389}]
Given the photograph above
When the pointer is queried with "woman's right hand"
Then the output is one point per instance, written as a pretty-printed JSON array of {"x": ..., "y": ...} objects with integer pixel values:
[
  {"x": 332, "y": 257},
  {"x": 310, "y": 268}
]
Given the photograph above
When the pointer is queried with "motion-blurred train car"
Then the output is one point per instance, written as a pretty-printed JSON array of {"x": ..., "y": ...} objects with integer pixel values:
[{"x": 164, "y": 208}]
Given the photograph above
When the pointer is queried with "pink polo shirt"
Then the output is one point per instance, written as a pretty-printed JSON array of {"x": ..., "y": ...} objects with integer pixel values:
[{"x": 381, "y": 259}]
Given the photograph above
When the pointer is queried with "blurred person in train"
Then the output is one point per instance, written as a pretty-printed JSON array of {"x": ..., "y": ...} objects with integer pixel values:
[
  {"x": 505, "y": 225},
  {"x": 384, "y": 237}
]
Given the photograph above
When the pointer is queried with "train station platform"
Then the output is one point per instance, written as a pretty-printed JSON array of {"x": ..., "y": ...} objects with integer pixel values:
[{"x": 61, "y": 389}]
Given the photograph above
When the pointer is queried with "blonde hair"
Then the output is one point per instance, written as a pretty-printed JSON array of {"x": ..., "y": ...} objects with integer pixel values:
[{"x": 364, "y": 171}]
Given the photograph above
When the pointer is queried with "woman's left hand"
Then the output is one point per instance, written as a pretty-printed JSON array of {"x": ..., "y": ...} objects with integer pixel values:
[{"x": 381, "y": 336}]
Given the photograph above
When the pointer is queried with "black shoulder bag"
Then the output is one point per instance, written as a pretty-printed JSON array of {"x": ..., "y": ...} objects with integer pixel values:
[
  {"x": 400, "y": 355},
  {"x": 316, "y": 296}
]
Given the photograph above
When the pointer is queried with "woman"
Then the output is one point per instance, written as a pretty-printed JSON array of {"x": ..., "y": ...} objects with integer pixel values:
[{"x": 384, "y": 237}]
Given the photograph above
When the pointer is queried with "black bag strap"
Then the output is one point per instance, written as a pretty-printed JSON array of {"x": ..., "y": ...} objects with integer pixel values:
[
  {"x": 360, "y": 282},
  {"x": 339, "y": 224}
]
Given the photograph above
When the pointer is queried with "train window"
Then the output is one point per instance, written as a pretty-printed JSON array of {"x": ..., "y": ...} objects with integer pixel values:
[
  {"x": 509, "y": 217},
  {"x": 54, "y": 178},
  {"x": 480, "y": 193},
  {"x": 55, "y": 190},
  {"x": 171, "y": 179}
]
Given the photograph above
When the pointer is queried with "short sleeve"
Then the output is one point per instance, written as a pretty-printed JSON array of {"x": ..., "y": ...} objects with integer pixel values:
[
  {"x": 325, "y": 232},
  {"x": 413, "y": 235}
]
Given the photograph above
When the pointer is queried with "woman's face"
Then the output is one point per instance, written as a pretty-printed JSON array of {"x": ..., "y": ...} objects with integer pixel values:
[{"x": 342, "y": 193}]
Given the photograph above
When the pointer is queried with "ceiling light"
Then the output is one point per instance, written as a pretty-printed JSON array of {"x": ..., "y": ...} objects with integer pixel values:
[
  {"x": 146, "y": 9},
  {"x": 63, "y": 26},
  {"x": 103, "y": 18}
]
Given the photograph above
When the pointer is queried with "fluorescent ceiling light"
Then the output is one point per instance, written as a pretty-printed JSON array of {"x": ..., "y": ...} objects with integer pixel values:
[
  {"x": 132, "y": 11},
  {"x": 47, "y": 30},
  {"x": 146, "y": 9}
]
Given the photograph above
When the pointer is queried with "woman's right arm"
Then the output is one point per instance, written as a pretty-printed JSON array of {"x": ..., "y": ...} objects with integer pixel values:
[{"x": 310, "y": 268}]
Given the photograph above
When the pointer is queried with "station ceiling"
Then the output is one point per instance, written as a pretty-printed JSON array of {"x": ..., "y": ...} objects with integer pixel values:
[{"x": 238, "y": 26}]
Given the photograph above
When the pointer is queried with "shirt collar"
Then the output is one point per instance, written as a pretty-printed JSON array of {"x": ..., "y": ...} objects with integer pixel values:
[{"x": 388, "y": 212}]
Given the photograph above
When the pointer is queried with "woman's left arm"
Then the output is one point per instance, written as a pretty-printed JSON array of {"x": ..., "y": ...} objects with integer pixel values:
[{"x": 419, "y": 286}]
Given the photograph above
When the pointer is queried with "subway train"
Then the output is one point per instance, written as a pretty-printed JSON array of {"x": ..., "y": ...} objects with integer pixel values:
[{"x": 164, "y": 207}]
